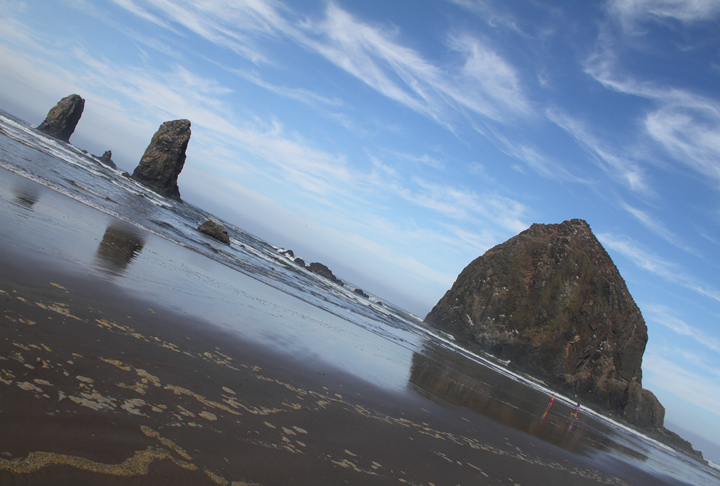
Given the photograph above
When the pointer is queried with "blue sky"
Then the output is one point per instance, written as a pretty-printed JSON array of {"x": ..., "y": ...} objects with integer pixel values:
[{"x": 397, "y": 141}]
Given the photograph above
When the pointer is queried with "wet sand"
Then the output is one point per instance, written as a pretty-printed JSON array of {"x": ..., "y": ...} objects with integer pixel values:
[{"x": 102, "y": 385}]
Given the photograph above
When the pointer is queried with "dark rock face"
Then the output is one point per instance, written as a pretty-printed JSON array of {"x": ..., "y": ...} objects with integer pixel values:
[
  {"x": 107, "y": 159},
  {"x": 300, "y": 261},
  {"x": 164, "y": 158},
  {"x": 361, "y": 293},
  {"x": 324, "y": 271},
  {"x": 552, "y": 301},
  {"x": 62, "y": 119},
  {"x": 643, "y": 408},
  {"x": 214, "y": 230}
]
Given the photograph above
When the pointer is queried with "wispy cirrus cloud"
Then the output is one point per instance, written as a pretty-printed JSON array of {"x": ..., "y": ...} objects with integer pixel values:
[
  {"x": 234, "y": 25},
  {"x": 532, "y": 157},
  {"x": 657, "y": 227},
  {"x": 480, "y": 81},
  {"x": 656, "y": 265},
  {"x": 664, "y": 315},
  {"x": 685, "y": 124},
  {"x": 300, "y": 94},
  {"x": 464, "y": 204},
  {"x": 629, "y": 12},
  {"x": 136, "y": 9},
  {"x": 683, "y": 383},
  {"x": 623, "y": 169}
]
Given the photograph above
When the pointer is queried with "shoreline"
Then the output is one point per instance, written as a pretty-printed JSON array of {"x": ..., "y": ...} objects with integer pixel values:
[
  {"x": 159, "y": 381},
  {"x": 664, "y": 436},
  {"x": 103, "y": 385}
]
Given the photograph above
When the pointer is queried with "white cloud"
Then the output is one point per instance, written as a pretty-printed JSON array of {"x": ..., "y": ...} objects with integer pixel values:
[
  {"x": 482, "y": 83},
  {"x": 647, "y": 260},
  {"x": 454, "y": 202},
  {"x": 493, "y": 16},
  {"x": 300, "y": 94},
  {"x": 135, "y": 9},
  {"x": 639, "y": 256},
  {"x": 423, "y": 159},
  {"x": 682, "y": 383},
  {"x": 532, "y": 158},
  {"x": 686, "y": 125},
  {"x": 656, "y": 227},
  {"x": 690, "y": 131},
  {"x": 627, "y": 171},
  {"x": 629, "y": 12},
  {"x": 230, "y": 24},
  {"x": 663, "y": 315}
]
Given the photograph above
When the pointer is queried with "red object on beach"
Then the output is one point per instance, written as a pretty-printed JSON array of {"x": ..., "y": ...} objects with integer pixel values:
[{"x": 552, "y": 399}]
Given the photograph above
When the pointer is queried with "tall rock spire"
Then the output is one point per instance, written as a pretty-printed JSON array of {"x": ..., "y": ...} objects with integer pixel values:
[
  {"x": 164, "y": 158},
  {"x": 62, "y": 119}
]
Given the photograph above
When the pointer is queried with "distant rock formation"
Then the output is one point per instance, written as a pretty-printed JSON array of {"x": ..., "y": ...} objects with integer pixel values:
[
  {"x": 361, "y": 293},
  {"x": 62, "y": 119},
  {"x": 211, "y": 228},
  {"x": 164, "y": 158},
  {"x": 552, "y": 301},
  {"x": 324, "y": 271},
  {"x": 107, "y": 159},
  {"x": 300, "y": 261}
]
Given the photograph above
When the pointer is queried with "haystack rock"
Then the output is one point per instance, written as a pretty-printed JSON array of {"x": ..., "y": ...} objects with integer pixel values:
[
  {"x": 214, "y": 230},
  {"x": 164, "y": 158},
  {"x": 552, "y": 302},
  {"x": 62, "y": 119}
]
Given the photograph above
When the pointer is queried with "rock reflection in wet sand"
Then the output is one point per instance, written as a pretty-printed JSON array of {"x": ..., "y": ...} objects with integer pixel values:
[
  {"x": 26, "y": 195},
  {"x": 440, "y": 373},
  {"x": 119, "y": 246}
]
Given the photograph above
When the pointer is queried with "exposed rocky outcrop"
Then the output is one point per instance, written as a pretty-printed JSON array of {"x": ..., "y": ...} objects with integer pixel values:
[
  {"x": 62, "y": 119},
  {"x": 361, "y": 293},
  {"x": 214, "y": 230},
  {"x": 164, "y": 158},
  {"x": 552, "y": 301},
  {"x": 324, "y": 271},
  {"x": 107, "y": 159},
  {"x": 674, "y": 440},
  {"x": 300, "y": 261}
]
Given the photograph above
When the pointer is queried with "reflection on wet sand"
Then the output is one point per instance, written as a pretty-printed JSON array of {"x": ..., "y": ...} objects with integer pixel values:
[
  {"x": 120, "y": 244},
  {"x": 441, "y": 373},
  {"x": 26, "y": 195}
]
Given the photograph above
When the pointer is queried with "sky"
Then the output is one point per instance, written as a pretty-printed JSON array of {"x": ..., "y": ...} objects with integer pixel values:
[{"x": 398, "y": 141}]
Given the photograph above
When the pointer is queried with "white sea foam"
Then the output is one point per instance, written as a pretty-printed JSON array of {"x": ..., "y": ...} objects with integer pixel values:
[{"x": 341, "y": 300}]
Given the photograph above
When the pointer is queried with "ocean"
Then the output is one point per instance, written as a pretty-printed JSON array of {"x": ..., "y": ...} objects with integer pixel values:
[{"x": 60, "y": 202}]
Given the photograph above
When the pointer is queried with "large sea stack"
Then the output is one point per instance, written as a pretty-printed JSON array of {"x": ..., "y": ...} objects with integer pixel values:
[
  {"x": 552, "y": 302},
  {"x": 62, "y": 119},
  {"x": 164, "y": 158}
]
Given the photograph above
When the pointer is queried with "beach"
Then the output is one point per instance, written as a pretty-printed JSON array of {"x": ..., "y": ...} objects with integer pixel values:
[{"x": 130, "y": 359}]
